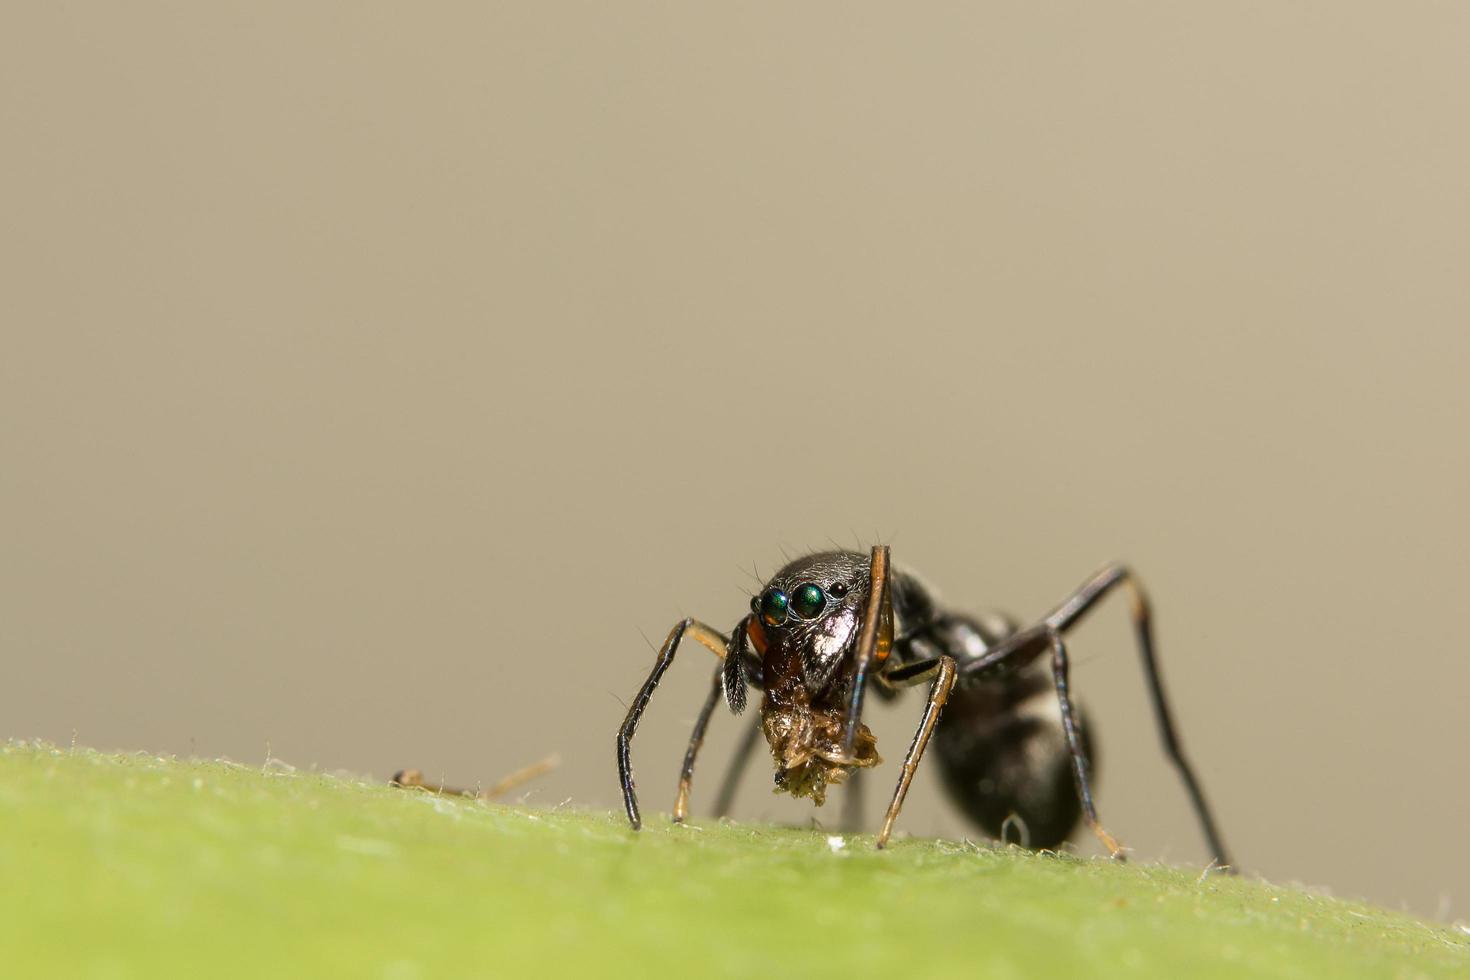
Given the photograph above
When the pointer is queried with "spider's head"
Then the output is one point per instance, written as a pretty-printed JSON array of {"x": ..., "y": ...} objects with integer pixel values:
[{"x": 805, "y": 625}]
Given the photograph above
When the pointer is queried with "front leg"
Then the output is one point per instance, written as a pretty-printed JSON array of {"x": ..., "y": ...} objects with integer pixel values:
[
  {"x": 707, "y": 636},
  {"x": 875, "y": 640},
  {"x": 944, "y": 671}
]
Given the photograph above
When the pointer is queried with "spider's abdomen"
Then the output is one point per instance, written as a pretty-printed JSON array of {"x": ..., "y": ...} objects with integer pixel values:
[{"x": 1002, "y": 754}]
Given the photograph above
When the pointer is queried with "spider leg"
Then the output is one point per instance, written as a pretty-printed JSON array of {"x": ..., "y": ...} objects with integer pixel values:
[
  {"x": 696, "y": 739},
  {"x": 944, "y": 670},
  {"x": 1078, "y": 605},
  {"x": 705, "y": 635},
  {"x": 1016, "y": 652},
  {"x": 737, "y": 668},
  {"x": 1080, "y": 765},
  {"x": 875, "y": 640}
]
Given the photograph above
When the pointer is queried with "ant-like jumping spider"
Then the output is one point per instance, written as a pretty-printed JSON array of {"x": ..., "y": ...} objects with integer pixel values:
[{"x": 1012, "y": 744}]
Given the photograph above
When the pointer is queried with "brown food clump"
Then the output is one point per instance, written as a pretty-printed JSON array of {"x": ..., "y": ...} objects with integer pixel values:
[{"x": 807, "y": 747}]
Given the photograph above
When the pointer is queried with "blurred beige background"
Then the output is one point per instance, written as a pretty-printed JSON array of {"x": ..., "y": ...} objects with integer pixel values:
[{"x": 378, "y": 379}]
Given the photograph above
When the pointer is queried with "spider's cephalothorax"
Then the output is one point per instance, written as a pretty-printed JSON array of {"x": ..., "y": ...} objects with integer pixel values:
[
  {"x": 827, "y": 627},
  {"x": 803, "y": 626}
]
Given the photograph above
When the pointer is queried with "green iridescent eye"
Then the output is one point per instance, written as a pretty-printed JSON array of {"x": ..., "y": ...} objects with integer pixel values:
[
  {"x": 773, "y": 607},
  {"x": 808, "y": 601}
]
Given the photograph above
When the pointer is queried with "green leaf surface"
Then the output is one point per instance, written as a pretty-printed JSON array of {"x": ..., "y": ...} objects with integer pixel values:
[{"x": 137, "y": 866}]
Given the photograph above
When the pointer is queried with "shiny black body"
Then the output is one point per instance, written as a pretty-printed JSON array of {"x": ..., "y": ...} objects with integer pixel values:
[
  {"x": 1000, "y": 745},
  {"x": 1012, "y": 745}
]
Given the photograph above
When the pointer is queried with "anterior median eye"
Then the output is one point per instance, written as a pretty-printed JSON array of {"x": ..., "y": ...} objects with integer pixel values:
[
  {"x": 773, "y": 607},
  {"x": 808, "y": 601}
]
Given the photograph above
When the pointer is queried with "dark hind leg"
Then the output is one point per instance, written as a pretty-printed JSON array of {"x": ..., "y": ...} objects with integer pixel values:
[{"x": 1077, "y": 606}]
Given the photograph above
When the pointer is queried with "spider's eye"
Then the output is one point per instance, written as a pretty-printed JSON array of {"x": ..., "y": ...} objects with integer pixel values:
[
  {"x": 773, "y": 607},
  {"x": 837, "y": 590},
  {"x": 808, "y": 601}
]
